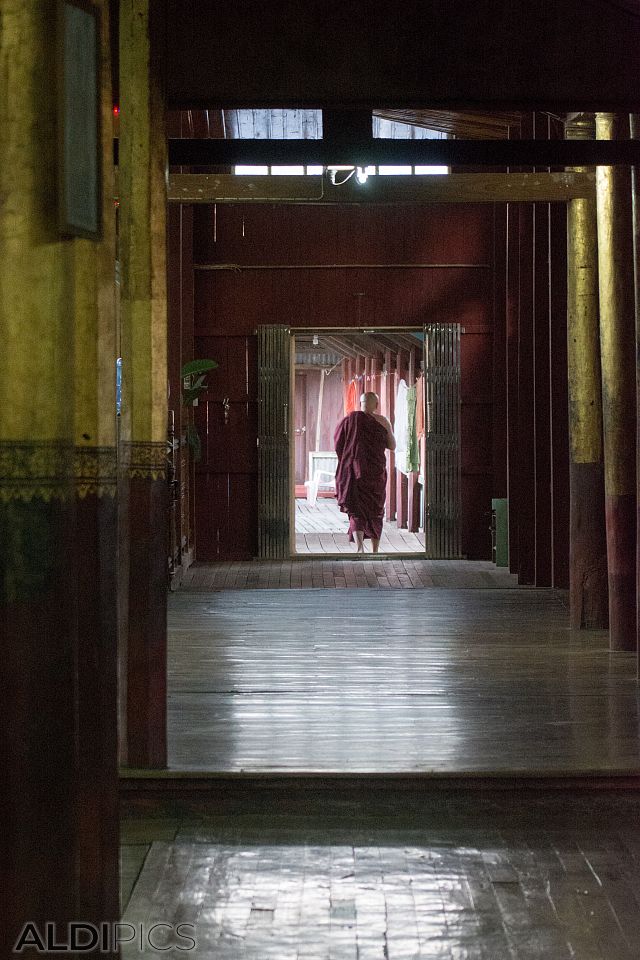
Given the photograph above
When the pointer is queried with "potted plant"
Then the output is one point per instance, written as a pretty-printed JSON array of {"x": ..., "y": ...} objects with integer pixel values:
[{"x": 194, "y": 375}]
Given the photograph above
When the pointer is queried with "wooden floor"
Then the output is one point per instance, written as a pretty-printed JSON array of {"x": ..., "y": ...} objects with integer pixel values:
[
  {"x": 321, "y": 528},
  {"x": 444, "y": 681},
  {"x": 367, "y": 571},
  {"x": 551, "y": 876}
]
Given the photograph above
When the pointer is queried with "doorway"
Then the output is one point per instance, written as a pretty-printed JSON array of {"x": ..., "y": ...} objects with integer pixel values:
[
  {"x": 424, "y": 492},
  {"x": 332, "y": 368}
]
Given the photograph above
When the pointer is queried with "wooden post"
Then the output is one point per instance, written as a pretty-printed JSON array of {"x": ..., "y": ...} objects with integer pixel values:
[
  {"x": 617, "y": 345},
  {"x": 588, "y": 593},
  {"x": 512, "y": 231},
  {"x": 359, "y": 373},
  {"x": 560, "y": 456},
  {"x": 348, "y": 368},
  {"x": 634, "y": 124},
  {"x": 526, "y": 452},
  {"x": 543, "y": 551},
  {"x": 142, "y": 182},
  {"x": 57, "y": 507},
  {"x": 319, "y": 414}
]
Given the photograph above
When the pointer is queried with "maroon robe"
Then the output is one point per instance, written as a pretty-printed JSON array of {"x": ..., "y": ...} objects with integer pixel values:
[{"x": 361, "y": 476}]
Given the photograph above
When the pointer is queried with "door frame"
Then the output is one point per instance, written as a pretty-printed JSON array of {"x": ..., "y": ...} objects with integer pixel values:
[{"x": 371, "y": 331}]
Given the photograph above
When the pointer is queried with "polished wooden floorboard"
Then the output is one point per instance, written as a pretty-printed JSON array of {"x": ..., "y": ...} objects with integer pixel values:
[
  {"x": 368, "y": 572},
  {"x": 321, "y": 528},
  {"x": 453, "y": 876},
  {"x": 449, "y": 681}
]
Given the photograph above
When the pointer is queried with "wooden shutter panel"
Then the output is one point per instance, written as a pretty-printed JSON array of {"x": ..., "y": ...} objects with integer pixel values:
[
  {"x": 443, "y": 493},
  {"x": 274, "y": 348}
]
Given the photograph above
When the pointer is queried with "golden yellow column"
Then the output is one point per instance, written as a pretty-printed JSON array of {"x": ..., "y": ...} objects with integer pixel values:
[
  {"x": 57, "y": 501},
  {"x": 93, "y": 307},
  {"x": 588, "y": 593},
  {"x": 618, "y": 347},
  {"x": 142, "y": 179}
]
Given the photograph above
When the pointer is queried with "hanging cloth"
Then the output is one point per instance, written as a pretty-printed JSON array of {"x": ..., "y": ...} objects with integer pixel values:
[
  {"x": 413, "y": 451},
  {"x": 351, "y": 399},
  {"x": 420, "y": 407},
  {"x": 400, "y": 424}
]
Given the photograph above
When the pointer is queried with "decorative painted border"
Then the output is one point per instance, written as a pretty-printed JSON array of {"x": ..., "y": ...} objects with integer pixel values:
[
  {"x": 95, "y": 471},
  {"x": 55, "y": 470},
  {"x": 144, "y": 460}
]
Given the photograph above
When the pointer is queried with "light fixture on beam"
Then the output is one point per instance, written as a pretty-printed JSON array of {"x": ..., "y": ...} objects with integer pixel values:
[
  {"x": 335, "y": 169},
  {"x": 361, "y": 174}
]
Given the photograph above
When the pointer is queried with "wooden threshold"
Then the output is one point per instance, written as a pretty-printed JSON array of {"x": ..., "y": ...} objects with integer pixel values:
[
  {"x": 410, "y": 555},
  {"x": 163, "y": 782}
]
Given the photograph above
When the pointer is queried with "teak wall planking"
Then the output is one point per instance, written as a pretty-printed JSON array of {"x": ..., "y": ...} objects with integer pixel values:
[{"x": 366, "y": 283}]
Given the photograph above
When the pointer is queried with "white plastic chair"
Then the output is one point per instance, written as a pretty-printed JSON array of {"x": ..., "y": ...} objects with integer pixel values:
[
  {"x": 324, "y": 477},
  {"x": 322, "y": 472}
]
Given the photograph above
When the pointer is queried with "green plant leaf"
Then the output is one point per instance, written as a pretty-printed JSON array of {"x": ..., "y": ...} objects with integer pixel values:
[
  {"x": 198, "y": 366},
  {"x": 193, "y": 439},
  {"x": 188, "y": 396}
]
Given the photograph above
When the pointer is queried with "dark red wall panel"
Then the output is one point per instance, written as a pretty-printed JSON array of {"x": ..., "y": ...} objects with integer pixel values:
[{"x": 334, "y": 266}]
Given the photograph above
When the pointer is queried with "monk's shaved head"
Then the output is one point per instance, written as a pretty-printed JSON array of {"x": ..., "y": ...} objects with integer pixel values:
[{"x": 369, "y": 402}]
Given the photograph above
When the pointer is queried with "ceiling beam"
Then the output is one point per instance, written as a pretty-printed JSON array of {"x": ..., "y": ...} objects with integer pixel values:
[
  {"x": 454, "y": 188},
  {"x": 372, "y": 347},
  {"x": 469, "y": 124},
  {"x": 388, "y": 342},
  {"x": 336, "y": 343},
  {"x": 407, "y": 342},
  {"x": 494, "y": 153}
]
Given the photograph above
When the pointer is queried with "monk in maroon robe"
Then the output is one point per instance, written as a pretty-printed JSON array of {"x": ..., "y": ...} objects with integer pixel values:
[{"x": 361, "y": 440}]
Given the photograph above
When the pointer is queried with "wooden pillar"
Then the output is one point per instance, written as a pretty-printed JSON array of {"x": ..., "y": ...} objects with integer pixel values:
[
  {"x": 588, "y": 592},
  {"x": 543, "y": 551},
  {"x": 142, "y": 181},
  {"x": 374, "y": 373},
  {"x": 346, "y": 377},
  {"x": 512, "y": 228},
  {"x": 526, "y": 452},
  {"x": 559, "y": 390},
  {"x": 499, "y": 380},
  {"x": 634, "y": 124},
  {"x": 174, "y": 364},
  {"x": 57, "y": 507},
  {"x": 617, "y": 345},
  {"x": 366, "y": 383}
]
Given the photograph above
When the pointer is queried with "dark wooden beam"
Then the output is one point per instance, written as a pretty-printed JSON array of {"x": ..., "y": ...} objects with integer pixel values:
[
  {"x": 455, "y": 188},
  {"x": 368, "y": 344},
  {"x": 406, "y": 342},
  {"x": 471, "y": 55},
  {"x": 341, "y": 346},
  {"x": 492, "y": 153}
]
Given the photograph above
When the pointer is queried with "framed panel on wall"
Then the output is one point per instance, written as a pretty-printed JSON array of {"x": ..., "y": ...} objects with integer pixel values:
[{"x": 79, "y": 140}]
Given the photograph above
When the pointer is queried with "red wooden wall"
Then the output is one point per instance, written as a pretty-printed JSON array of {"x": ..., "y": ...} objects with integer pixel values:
[
  {"x": 180, "y": 351},
  {"x": 315, "y": 266},
  {"x": 307, "y": 391},
  {"x": 530, "y": 402}
]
